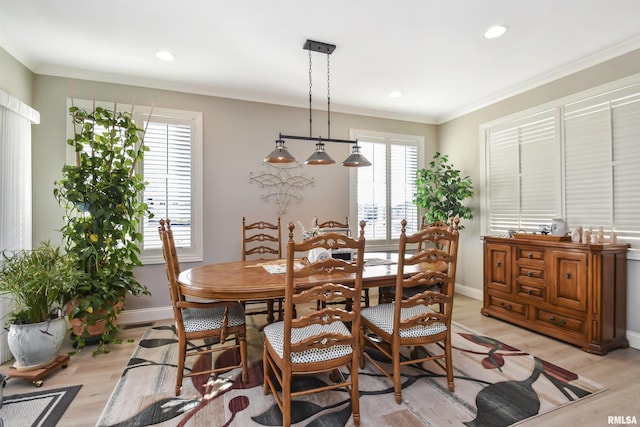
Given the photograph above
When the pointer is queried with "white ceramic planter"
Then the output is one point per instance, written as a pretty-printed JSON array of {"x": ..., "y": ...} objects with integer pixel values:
[{"x": 37, "y": 344}]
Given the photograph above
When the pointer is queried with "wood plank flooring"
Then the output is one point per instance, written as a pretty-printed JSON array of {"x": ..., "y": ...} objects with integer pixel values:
[{"x": 619, "y": 371}]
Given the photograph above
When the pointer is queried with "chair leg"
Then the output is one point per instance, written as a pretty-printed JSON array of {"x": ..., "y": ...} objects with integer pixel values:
[
  {"x": 286, "y": 398},
  {"x": 397, "y": 381},
  {"x": 243, "y": 359},
  {"x": 449, "y": 364},
  {"x": 265, "y": 372},
  {"x": 355, "y": 394},
  {"x": 362, "y": 343},
  {"x": 182, "y": 355}
]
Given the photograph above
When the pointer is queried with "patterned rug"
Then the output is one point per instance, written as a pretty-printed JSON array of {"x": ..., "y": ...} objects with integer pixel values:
[
  {"x": 496, "y": 385},
  {"x": 40, "y": 408}
]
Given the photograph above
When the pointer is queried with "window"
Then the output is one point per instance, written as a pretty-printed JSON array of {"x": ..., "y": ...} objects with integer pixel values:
[
  {"x": 173, "y": 170},
  {"x": 576, "y": 160},
  {"x": 382, "y": 194}
]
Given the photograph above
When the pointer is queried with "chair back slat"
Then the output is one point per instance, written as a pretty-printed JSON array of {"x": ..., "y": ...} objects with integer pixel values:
[
  {"x": 433, "y": 284},
  {"x": 261, "y": 238},
  {"x": 298, "y": 291}
]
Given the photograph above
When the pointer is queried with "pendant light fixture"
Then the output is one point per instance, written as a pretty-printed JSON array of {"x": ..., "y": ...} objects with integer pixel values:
[{"x": 320, "y": 156}]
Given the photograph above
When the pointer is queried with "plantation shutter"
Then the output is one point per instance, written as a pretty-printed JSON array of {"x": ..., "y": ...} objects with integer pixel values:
[
  {"x": 386, "y": 189},
  {"x": 523, "y": 174},
  {"x": 167, "y": 169}
]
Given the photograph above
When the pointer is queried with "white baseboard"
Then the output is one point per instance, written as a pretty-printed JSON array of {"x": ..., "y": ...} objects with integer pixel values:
[
  {"x": 469, "y": 292},
  {"x": 634, "y": 339},
  {"x": 145, "y": 315}
]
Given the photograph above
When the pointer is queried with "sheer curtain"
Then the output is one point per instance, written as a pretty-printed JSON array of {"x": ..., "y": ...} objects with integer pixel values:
[{"x": 15, "y": 186}]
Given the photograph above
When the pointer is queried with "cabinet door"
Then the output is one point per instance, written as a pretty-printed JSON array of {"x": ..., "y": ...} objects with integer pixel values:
[
  {"x": 569, "y": 287},
  {"x": 497, "y": 267}
]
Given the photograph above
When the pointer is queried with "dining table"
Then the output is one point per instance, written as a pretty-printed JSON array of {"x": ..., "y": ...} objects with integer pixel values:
[{"x": 265, "y": 279}]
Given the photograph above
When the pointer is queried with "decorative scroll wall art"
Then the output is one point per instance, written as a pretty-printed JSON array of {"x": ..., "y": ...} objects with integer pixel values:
[{"x": 282, "y": 183}]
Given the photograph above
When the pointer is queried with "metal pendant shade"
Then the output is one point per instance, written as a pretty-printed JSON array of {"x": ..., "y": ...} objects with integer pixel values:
[
  {"x": 356, "y": 159},
  {"x": 280, "y": 154},
  {"x": 320, "y": 156}
]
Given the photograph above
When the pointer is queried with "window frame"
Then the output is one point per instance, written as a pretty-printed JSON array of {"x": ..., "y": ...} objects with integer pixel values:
[
  {"x": 140, "y": 114},
  {"x": 387, "y": 138}
]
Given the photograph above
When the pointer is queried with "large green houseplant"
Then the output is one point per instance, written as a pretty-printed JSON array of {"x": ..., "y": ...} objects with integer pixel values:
[
  {"x": 102, "y": 195},
  {"x": 36, "y": 283},
  {"x": 441, "y": 190}
]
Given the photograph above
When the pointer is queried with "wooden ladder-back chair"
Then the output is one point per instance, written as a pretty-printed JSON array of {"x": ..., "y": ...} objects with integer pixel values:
[
  {"x": 262, "y": 240},
  {"x": 334, "y": 226},
  {"x": 212, "y": 322},
  {"x": 423, "y": 318},
  {"x": 324, "y": 340},
  {"x": 344, "y": 228}
]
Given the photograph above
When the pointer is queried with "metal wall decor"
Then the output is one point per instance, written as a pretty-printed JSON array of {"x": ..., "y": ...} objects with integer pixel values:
[{"x": 281, "y": 183}]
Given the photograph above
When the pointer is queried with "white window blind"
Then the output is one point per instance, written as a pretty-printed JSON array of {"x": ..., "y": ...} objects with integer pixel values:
[
  {"x": 523, "y": 174},
  {"x": 579, "y": 163},
  {"x": 384, "y": 191},
  {"x": 167, "y": 169}
]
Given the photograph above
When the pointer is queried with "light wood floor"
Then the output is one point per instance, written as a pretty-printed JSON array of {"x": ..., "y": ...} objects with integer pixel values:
[{"x": 619, "y": 371}]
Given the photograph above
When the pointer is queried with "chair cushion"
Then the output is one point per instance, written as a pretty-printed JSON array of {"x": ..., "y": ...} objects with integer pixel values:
[
  {"x": 382, "y": 316},
  {"x": 204, "y": 319},
  {"x": 274, "y": 333}
]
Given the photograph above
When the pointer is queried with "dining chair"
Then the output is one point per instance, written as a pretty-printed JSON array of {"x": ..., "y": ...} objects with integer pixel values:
[
  {"x": 323, "y": 340},
  {"x": 423, "y": 319},
  {"x": 262, "y": 240},
  {"x": 211, "y": 322},
  {"x": 335, "y": 226},
  {"x": 344, "y": 228}
]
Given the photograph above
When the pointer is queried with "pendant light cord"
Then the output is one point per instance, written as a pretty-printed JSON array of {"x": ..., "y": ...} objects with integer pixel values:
[
  {"x": 310, "y": 120},
  {"x": 328, "y": 100}
]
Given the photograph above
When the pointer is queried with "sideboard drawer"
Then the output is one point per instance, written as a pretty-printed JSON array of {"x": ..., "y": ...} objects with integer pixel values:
[
  {"x": 529, "y": 253},
  {"x": 561, "y": 321},
  {"x": 509, "y": 306},
  {"x": 529, "y": 291}
]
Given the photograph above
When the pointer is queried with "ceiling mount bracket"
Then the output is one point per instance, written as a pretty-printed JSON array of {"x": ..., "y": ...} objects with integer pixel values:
[{"x": 319, "y": 47}]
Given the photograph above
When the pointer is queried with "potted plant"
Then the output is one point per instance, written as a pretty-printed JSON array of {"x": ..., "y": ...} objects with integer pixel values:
[
  {"x": 37, "y": 281},
  {"x": 102, "y": 195},
  {"x": 441, "y": 189}
]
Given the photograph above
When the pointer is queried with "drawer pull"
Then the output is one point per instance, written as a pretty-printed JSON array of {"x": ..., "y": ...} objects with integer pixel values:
[
  {"x": 499, "y": 264},
  {"x": 504, "y": 305},
  {"x": 530, "y": 292},
  {"x": 553, "y": 320},
  {"x": 568, "y": 275},
  {"x": 530, "y": 256},
  {"x": 530, "y": 274}
]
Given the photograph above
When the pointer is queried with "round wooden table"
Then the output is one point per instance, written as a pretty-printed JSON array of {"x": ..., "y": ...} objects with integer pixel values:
[{"x": 249, "y": 280}]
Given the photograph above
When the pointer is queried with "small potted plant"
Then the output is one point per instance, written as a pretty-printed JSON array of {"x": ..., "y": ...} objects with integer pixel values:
[
  {"x": 441, "y": 189},
  {"x": 102, "y": 194},
  {"x": 37, "y": 281}
]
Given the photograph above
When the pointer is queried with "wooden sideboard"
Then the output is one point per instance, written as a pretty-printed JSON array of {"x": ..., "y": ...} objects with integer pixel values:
[{"x": 570, "y": 291}]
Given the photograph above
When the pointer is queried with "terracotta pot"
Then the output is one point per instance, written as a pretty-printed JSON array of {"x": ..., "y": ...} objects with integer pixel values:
[{"x": 78, "y": 325}]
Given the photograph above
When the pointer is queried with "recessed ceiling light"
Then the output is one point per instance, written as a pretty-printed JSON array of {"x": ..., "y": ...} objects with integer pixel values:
[
  {"x": 395, "y": 94},
  {"x": 165, "y": 55},
  {"x": 495, "y": 31}
]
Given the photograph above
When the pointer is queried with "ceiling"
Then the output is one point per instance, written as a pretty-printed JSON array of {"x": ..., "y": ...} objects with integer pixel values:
[{"x": 432, "y": 51}]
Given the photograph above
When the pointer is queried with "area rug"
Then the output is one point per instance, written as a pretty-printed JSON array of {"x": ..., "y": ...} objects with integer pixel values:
[
  {"x": 495, "y": 385},
  {"x": 38, "y": 409}
]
